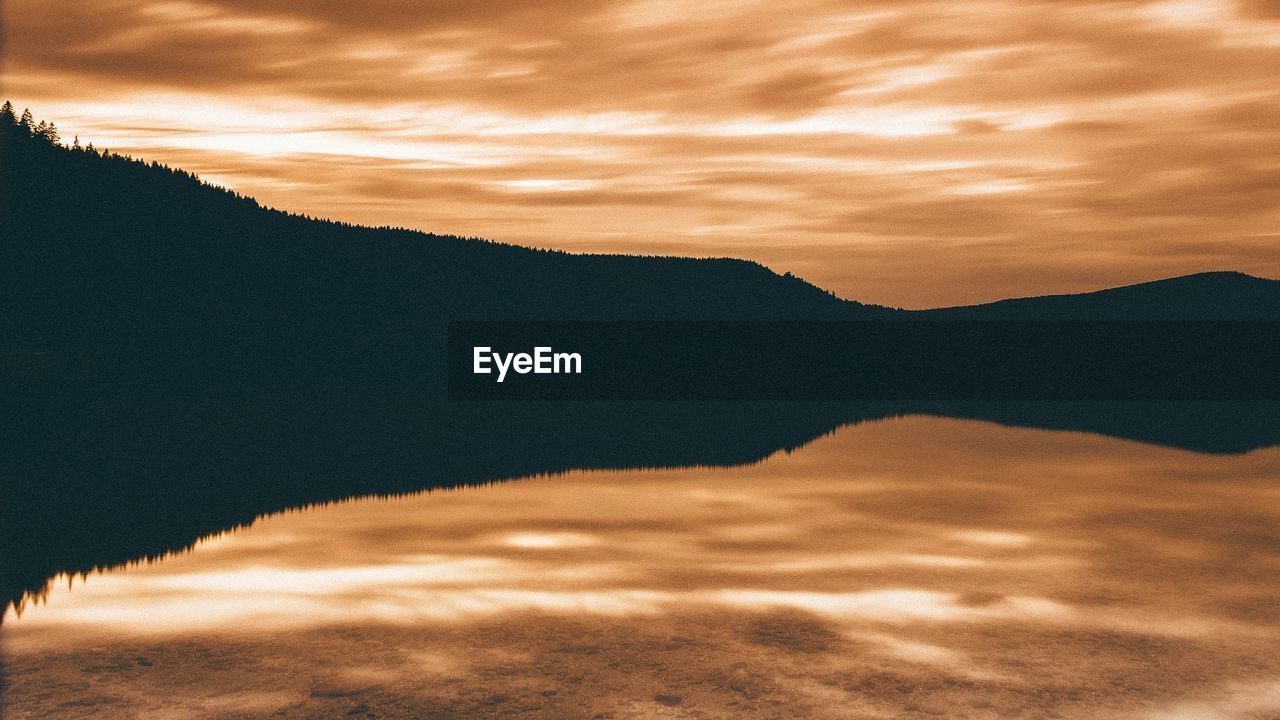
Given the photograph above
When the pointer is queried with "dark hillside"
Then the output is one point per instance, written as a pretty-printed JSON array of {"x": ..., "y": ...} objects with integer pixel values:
[
  {"x": 139, "y": 270},
  {"x": 1203, "y": 296}
]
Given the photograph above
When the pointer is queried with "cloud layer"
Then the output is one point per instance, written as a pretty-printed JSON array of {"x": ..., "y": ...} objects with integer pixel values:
[{"x": 912, "y": 153}]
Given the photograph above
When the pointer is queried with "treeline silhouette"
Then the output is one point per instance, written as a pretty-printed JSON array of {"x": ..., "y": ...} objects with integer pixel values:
[{"x": 146, "y": 273}]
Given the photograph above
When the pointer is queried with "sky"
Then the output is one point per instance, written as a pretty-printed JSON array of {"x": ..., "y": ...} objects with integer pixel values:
[{"x": 905, "y": 152}]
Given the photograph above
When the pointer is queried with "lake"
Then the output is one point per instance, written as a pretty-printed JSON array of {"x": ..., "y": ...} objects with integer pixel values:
[{"x": 903, "y": 567}]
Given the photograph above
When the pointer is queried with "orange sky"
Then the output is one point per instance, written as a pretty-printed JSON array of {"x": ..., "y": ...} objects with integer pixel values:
[{"x": 905, "y": 152}]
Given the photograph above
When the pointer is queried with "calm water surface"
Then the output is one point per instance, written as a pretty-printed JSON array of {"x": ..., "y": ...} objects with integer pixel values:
[{"x": 915, "y": 567}]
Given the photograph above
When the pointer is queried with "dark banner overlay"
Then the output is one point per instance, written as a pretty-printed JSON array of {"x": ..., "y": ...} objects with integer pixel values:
[{"x": 864, "y": 360}]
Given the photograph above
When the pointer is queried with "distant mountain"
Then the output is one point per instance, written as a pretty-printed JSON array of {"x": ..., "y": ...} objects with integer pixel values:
[{"x": 1203, "y": 296}]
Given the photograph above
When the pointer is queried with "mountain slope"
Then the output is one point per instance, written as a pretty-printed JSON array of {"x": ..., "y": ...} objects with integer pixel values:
[
  {"x": 1203, "y": 296},
  {"x": 145, "y": 224},
  {"x": 158, "y": 275}
]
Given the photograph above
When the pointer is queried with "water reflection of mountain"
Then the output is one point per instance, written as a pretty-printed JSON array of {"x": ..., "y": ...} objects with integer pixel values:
[{"x": 88, "y": 487}]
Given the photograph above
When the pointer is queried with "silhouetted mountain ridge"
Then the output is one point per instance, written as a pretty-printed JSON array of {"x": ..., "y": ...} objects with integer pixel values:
[
  {"x": 1220, "y": 295},
  {"x": 153, "y": 274},
  {"x": 140, "y": 275}
]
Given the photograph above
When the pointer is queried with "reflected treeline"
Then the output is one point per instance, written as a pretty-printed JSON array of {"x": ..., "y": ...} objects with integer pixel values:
[{"x": 90, "y": 485}]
